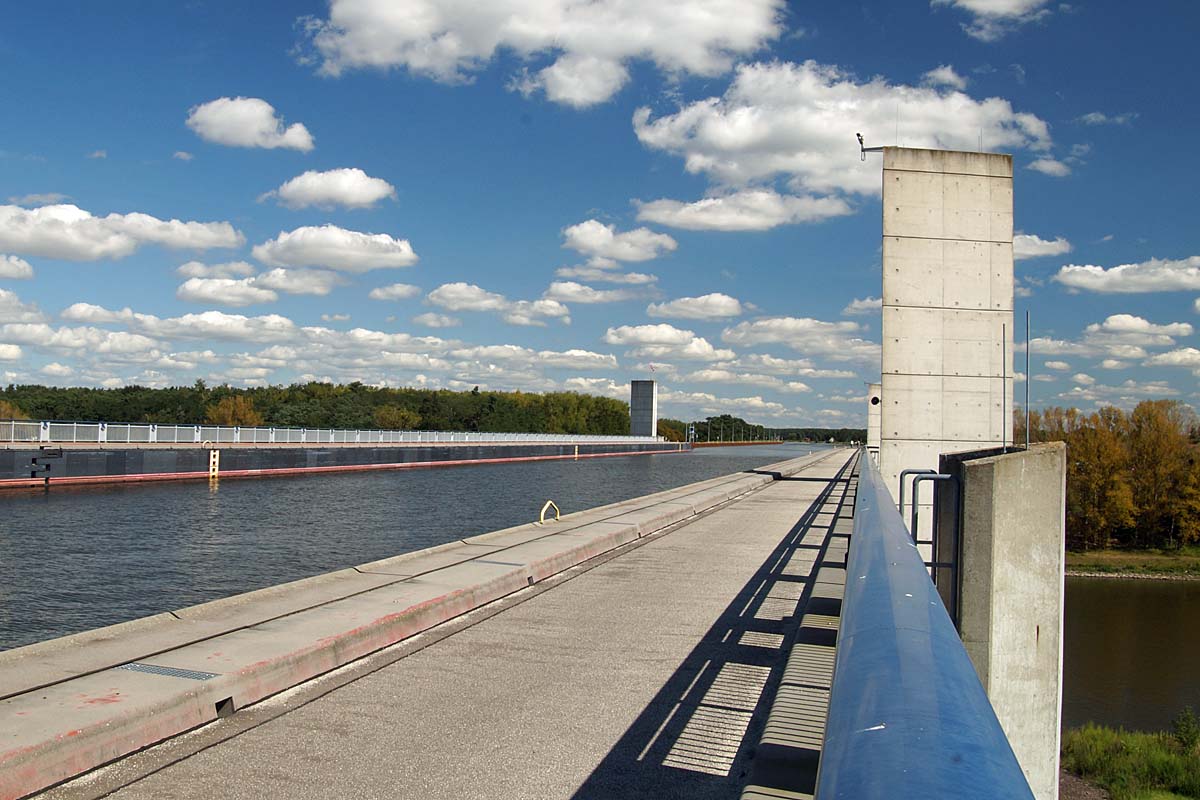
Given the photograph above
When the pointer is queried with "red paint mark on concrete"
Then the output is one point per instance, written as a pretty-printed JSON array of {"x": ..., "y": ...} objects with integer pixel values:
[{"x": 105, "y": 699}]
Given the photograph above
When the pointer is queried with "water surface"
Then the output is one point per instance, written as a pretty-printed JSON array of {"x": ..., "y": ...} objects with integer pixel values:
[
  {"x": 1131, "y": 651},
  {"x": 72, "y": 559}
]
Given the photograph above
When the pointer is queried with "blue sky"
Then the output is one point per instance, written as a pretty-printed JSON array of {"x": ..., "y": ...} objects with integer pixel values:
[{"x": 552, "y": 194}]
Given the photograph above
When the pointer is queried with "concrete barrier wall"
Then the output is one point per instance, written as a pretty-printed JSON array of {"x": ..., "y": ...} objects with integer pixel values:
[
  {"x": 69, "y": 705},
  {"x": 130, "y": 464}
]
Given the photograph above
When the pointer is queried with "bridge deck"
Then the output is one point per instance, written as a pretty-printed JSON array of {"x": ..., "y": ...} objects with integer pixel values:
[{"x": 646, "y": 675}]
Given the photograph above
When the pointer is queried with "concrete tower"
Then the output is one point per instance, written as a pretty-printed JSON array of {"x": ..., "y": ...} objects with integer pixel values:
[
  {"x": 947, "y": 297},
  {"x": 643, "y": 408}
]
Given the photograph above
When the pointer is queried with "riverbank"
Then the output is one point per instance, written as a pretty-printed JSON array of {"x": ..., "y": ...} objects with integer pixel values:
[
  {"x": 1182, "y": 564},
  {"x": 1132, "y": 765}
]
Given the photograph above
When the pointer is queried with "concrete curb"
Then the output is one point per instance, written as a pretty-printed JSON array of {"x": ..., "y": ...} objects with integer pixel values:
[{"x": 72, "y": 704}]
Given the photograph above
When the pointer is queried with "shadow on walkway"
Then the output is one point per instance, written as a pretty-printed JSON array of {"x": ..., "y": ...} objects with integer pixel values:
[{"x": 695, "y": 737}]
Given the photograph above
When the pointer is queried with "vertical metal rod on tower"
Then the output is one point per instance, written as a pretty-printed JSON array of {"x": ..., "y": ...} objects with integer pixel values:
[
  {"x": 1004, "y": 418},
  {"x": 1028, "y": 378}
]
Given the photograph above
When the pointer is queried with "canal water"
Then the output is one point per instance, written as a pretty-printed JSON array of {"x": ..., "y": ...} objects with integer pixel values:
[
  {"x": 1131, "y": 651},
  {"x": 73, "y": 559}
]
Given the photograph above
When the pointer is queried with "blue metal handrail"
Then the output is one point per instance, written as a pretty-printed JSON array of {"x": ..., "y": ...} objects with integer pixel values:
[{"x": 908, "y": 716}]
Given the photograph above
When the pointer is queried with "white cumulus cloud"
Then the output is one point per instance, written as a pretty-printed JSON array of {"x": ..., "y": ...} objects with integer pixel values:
[
  {"x": 461, "y": 296},
  {"x": 665, "y": 341},
  {"x": 944, "y": 75},
  {"x": 10, "y": 352},
  {"x": 781, "y": 119},
  {"x": 1030, "y": 246},
  {"x": 594, "y": 238},
  {"x": 433, "y": 320},
  {"x": 232, "y": 269},
  {"x": 709, "y": 306},
  {"x": 395, "y": 291},
  {"x": 350, "y": 188},
  {"x": 991, "y": 20},
  {"x": 597, "y": 274},
  {"x": 13, "y": 309},
  {"x": 318, "y": 282},
  {"x": 335, "y": 248},
  {"x": 1154, "y": 275},
  {"x": 747, "y": 210},
  {"x": 71, "y": 233},
  {"x": 588, "y": 45},
  {"x": 572, "y": 292},
  {"x": 1183, "y": 357},
  {"x": 246, "y": 122},
  {"x": 837, "y": 340},
  {"x": 1050, "y": 166},
  {"x": 865, "y": 305},
  {"x": 15, "y": 268},
  {"x": 224, "y": 292}
]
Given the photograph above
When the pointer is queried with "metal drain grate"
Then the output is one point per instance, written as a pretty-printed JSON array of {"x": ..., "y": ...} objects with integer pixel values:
[{"x": 170, "y": 672}]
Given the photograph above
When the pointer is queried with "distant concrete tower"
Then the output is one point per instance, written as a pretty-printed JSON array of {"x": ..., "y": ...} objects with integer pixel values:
[
  {"x": 874, "y": 400},
  {"x": 643, "y": 408},
  {"x": 947, "y": 296}
]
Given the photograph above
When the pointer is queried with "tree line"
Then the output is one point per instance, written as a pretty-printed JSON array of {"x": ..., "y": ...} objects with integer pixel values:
[
  {"x": 1133, "y": 478},
  {"x": 325, "y": 405},
  {"x": 730, "y": 428}
]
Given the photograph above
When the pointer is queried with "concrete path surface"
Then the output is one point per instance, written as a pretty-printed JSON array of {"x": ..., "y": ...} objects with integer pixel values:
[{"x": 643, "y": 676}]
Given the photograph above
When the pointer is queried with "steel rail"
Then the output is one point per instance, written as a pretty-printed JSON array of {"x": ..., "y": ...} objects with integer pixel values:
[{"x": 908, "y": 716}]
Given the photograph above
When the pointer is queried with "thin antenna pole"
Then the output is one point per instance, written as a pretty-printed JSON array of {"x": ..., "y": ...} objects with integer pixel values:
[
  {"x": 1028, "y": 377},
  {"x": 1004, "y": 387}
]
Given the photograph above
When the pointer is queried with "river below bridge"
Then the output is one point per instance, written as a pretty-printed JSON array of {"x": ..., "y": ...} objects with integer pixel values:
[{"x": 80, "y": 558}]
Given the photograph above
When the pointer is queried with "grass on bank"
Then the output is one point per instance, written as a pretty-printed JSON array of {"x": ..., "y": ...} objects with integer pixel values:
[
  {"x": 1184, "y": 561},
  {"x": 1138, "y": 766}
]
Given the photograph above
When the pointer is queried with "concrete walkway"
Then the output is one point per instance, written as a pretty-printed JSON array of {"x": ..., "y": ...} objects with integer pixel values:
[{"x": 643, "y": 676}]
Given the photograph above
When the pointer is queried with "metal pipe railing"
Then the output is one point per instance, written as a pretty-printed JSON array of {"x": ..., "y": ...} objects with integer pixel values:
[
  {"x": 908, "y": 716},
  {"x": 76, "y": 432}
]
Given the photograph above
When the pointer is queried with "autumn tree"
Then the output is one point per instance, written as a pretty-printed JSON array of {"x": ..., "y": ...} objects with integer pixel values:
[
  {"x": 11, "y": 411},
  {"x": 1099, "y": 498},
  {"x": 396, "y": 418},
  {"x": 1159, "y": 463},
  {"x": 233, "y": 410}
]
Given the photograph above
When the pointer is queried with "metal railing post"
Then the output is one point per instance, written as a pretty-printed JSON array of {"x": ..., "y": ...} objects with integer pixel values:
[{"x": 904, "y": 473}]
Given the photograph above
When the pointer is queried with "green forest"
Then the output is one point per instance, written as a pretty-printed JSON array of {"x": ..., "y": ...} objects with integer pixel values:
[
  {"x": 324, "y": 405},
  {"x": 1133, "y": 478},
  {"x": 727, "y": 428},
  {"x": 358, "y": 406}
]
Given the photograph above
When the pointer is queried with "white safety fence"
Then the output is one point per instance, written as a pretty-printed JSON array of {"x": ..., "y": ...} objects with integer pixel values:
[{"x": 51, "y": 432}]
